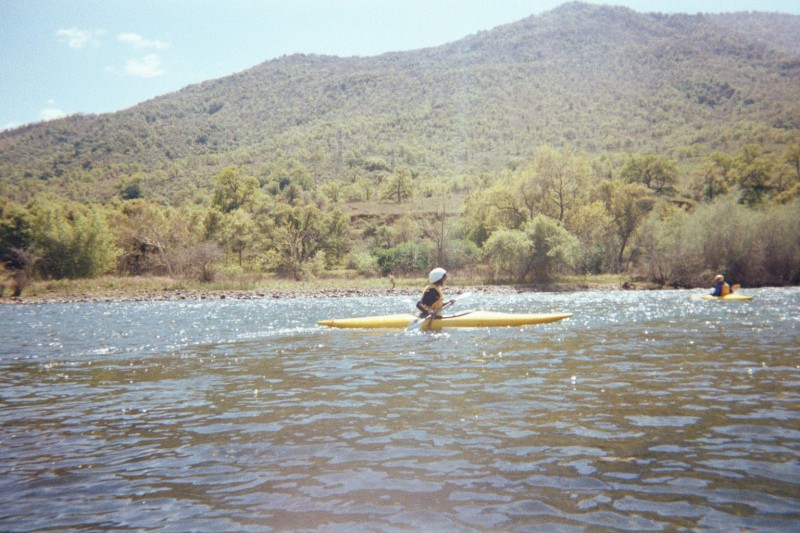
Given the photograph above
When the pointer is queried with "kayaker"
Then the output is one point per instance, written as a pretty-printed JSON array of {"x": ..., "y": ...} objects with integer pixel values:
[
  {"x": 432, "y": 300},
  {"x": 720, "y": 287}
]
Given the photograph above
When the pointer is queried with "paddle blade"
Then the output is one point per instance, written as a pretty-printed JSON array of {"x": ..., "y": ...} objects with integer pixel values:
[{"x": 417, "y": 323}]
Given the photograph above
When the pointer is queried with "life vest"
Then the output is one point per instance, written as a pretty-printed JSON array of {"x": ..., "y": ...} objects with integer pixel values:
[
  {"x": 439, "y": 303},
  {"x": 726, "y": 290}
]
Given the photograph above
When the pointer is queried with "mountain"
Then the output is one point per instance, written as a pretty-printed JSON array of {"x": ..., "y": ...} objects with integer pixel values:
[{"x": 596, "y": 79}]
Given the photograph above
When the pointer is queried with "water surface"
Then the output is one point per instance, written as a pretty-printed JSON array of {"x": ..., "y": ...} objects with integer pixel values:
[{"x": 646, "y": 411}]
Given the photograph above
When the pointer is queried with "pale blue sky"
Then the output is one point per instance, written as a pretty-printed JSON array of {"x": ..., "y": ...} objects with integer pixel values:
[{"x": 62, "y": 57}]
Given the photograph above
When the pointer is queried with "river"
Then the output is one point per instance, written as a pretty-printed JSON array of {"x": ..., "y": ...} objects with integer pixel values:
[{"x": 645, "y": 411}]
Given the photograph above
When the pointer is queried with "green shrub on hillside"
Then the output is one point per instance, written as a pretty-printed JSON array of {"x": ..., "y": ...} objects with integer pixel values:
[{"x": 72, "y": 241}]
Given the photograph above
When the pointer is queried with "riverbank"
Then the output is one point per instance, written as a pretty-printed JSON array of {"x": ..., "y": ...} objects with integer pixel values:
[{"x": 114, "y": 289}]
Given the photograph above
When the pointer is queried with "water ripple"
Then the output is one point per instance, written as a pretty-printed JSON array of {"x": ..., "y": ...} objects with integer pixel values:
[{"x": 644, "y": 411}]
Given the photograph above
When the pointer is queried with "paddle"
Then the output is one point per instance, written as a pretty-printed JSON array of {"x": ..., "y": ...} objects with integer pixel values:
[{"x": 419, "y": 322}]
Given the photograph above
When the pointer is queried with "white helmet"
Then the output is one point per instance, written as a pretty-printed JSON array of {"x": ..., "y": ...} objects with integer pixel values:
[{"x": 436, "y": 275}]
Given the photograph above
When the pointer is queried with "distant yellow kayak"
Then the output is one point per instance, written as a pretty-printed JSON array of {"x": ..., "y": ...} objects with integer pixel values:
[
  {"x": 730, "y": 297},
  {"x": 471, "y": 319}
]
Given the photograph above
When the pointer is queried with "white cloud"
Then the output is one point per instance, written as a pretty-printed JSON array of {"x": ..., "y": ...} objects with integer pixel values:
[
  {"x": 139, "y": 43},
  {"x": 51, "y": 113},
  {"x": 76, "y": 38},
  {"x": 148, "y": 66}
]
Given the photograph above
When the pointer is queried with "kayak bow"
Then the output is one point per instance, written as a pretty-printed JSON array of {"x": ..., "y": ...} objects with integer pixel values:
[{"x": 471, "y": 319}]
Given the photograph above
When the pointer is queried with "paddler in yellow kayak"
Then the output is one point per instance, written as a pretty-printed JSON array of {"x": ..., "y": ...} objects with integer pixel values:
[
  {"x": 721, "y": 288},
  {"x": 432, "y": 300}
]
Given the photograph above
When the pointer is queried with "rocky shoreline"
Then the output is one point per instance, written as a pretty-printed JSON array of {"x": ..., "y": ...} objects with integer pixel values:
[{"x": 199, "y": 295}]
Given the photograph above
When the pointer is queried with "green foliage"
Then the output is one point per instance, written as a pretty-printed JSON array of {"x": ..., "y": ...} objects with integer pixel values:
[
  {"x": 628, "y": 204},
  {"x": 489, "y": 210},
  {"x": 303, "y": 231},
  {"x": 15, "y": 234},
  {"x": 792, "y": 157},
  {"x": 507, "y": 251},
  {"x": 779, "y": 244},
  {"x": 719, "y": 175},
  {"x": 747, "y": 246},
  {"x": 540, "y": 249},
  {"x": 592, "y": 225},
  {"x": 674, "y": 251},
  {"x": 466, "y": 107},
  {"x": 556, "y": 183},
  {"x": 73, "y": 241},
  {"x": 405, "y": 258},
  {"x": 237, "y": 232},
  {"x": 365, "y": 264},
  {"x": 131, "y": 190},
  {"x": 234, "y": 189},
  {"x": 755, "y": 169},
  {"x": 494, "y": 142},
  {"x": 654, "y": 172},
  {"x": 552, "y": 247},
  {"x": 399, "y": 186},
  {"x": 286, "y": 178},
  {"x": 158, "y": 240},
  {"x": 460, "y": 253}
]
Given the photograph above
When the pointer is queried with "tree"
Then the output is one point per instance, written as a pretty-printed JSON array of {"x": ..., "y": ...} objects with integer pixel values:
[
  {"x": 755, "y": 170},
  {"x": 286, "y": 177},
  {"x": 439, "y": 229},
  {"x": 593, "y": 225},
  {"x": 15, "y": 233},
  {"x": 155, "y": 239},
  {"x": 237, "y": 232},
  {"x": 561, "y": 178},
  {"x": 507, "y": 251},
  {"x": 527, "y": 193},
  {"x": 718, "y": 175},
  {"x": 405, "y": 258},
  {"x": 628, "y": 204},
  {"x": 73, "y": 241},
  {"x": 672, "y": 255},
  {"x": 400, "y": 185},
  {"x": 300, "y": 232},
  {"x": 131, "y": 190},
  {"x": 488, "y": 210},
  {"x": 233, "y": 189},
  {"x": 654, "y": 172},
  {"x": 337, "y": 237},
  {"x": 779, "y": 239},
  {"x": 552, "y": 247},
  {"x": 202, "y": 259},
  {"x": 792, "y": 156}
]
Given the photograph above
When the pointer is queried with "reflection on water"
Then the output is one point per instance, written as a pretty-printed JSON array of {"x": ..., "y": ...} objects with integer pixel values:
[{"x": 644, "y": 411}]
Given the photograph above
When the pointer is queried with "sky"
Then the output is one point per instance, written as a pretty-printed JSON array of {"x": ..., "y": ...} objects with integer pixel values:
[{"x": 60, "y": 57}]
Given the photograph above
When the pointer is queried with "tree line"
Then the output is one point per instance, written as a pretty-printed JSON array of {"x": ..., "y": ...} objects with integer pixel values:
[{"x": 559, "y": 212}]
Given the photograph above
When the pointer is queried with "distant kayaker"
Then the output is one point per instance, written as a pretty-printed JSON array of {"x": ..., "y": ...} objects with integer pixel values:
[
  {"x": 432, "y": 299},
  {"x": 720, "y": 287}
]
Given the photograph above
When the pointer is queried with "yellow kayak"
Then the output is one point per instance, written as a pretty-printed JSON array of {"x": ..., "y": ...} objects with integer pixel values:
[
  {"x": 471, "y": 319},
  {"x": 734, "y": 296}
]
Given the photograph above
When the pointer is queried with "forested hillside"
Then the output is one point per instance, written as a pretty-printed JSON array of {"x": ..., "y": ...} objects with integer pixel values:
[{"x": 680, "y": 109}]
